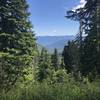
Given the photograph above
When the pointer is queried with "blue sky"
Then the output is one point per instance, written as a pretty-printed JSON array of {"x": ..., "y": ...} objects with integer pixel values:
[{"x": 48, "y": 17}]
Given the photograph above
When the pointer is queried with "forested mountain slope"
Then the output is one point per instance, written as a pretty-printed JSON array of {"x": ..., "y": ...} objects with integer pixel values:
[{"x": 51, "y": 42}]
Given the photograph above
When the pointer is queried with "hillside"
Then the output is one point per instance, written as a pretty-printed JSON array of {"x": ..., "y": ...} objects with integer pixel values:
[{"x": 51, "y": 42}]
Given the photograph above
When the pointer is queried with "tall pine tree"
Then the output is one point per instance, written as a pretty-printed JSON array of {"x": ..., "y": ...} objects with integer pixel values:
[
  {"x": 55, "y": 59},
  {"x": 44, "y": 66},
  {"x": 90, "y": 17},
  {"x": 17, "y": 42},
  {"x": 70, "y": 56}
]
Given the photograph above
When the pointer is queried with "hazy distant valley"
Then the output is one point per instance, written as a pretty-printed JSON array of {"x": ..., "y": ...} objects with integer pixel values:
[{"x": 51, "y": 42}]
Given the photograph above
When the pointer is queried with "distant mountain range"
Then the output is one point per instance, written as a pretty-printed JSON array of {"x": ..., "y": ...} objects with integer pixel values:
[{"x": 51, "y": 42}]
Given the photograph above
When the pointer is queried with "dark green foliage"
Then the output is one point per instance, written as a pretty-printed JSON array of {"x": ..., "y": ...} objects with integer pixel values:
[
  {"x": 43, "y": 69},
  {"x": 91, "y": 56},
  {"x": 55, "y": 60},
  {"x": 70, "y": 56},
  {"x": 67, "y": 91},
  {"x": 48, "y": 80},
  {"x": 17, "y": 46},
  {"x": 89, "y": 47}
]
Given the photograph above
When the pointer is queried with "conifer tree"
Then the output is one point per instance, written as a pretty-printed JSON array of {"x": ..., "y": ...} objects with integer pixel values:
[
  {"x": 90, "y": 17},
  {"x": 55, "y": 59},
  {"x": 17, "y": 42},
  {"x": 43, "y": 69},
  {"x": 67, "y": 58},
  {"x": 70, "y": 56}
]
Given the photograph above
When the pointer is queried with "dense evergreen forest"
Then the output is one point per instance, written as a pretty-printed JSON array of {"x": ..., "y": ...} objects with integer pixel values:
[{"x": 27, "y": 73}]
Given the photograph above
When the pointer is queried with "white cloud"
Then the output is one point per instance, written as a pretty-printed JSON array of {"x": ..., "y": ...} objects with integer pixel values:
[{"x": 81, "y": 5}]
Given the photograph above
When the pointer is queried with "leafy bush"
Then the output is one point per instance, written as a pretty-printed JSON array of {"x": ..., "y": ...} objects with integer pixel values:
[{"x": 57, "y": 91}]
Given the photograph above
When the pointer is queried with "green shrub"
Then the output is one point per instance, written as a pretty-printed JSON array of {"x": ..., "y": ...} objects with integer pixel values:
[{"x": 57, "y": 91}]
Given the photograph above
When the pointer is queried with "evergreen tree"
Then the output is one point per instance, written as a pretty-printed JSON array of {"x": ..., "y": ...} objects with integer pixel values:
[
  {"x": 89, "y": 16},
  {"x": 17, "y": 43},
  {"x": 91, "y": 42},
  {"x": 62, "y": 64},
  {"x": 55, "y": 60},
  {"x": 43, "y": 69},
  {"x": 70, "y": 56},
  {"x": 98, "y": 34}
]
